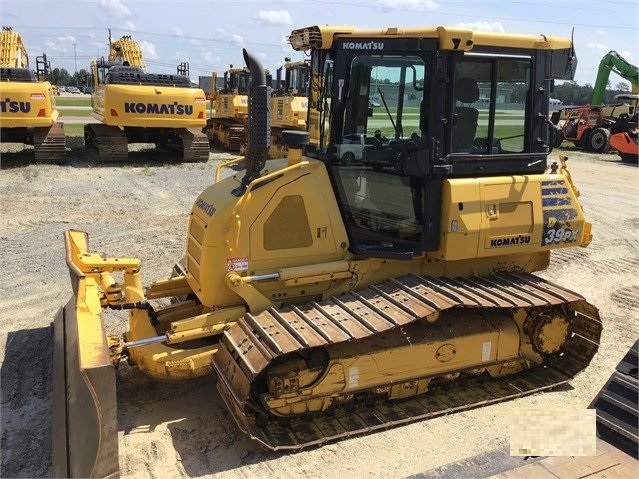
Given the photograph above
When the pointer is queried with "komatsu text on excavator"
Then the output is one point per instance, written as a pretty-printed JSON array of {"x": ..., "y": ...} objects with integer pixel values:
[
  {"x": 27, "y": 105},
  {"x": 332, "y": 300},
  {"x": 134, "y": 106}
]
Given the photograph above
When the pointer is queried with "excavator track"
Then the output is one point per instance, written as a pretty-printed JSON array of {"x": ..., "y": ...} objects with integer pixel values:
[
  {"x": 110, "y": 142},
  {"x": 195, "y": 145},
  {"x": 50, "y": 144},
  {"x": 255, "y": 342}
]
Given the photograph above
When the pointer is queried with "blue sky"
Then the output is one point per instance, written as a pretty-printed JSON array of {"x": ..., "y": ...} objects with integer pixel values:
[{"x": 210, "y": 34}]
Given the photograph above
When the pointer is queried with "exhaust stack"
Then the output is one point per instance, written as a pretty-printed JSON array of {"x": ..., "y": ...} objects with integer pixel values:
[{"x": 259, "y": 123}]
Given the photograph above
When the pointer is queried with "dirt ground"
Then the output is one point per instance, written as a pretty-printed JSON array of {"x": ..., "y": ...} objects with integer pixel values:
[{"x": 140, "y": 209}]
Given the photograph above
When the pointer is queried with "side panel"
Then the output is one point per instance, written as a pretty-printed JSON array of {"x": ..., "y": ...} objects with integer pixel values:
[
  {"x": 152, "y": 106},
  {"x": 509, "y": 215},
  {"x": 26, "y": 105}
]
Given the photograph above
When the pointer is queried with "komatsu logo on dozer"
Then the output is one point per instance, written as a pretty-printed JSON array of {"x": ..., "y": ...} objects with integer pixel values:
[
  {"x": 174, "y": 108},
  {"x": 363, "y": 45},
  {"x": 510, "y": 241}
]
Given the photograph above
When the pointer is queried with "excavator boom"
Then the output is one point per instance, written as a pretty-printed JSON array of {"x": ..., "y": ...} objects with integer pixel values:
[{"x": 613, "y": 62}]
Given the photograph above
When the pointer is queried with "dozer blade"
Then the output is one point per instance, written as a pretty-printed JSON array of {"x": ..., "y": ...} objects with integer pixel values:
[{"x": 85, "y": 435}]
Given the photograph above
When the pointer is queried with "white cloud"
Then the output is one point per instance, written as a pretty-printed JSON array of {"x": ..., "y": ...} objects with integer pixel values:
[
  {"x": 178, "y": 31},
  {"x": 598, "y": 46},
  {"x": 276, "y": 17},
  {"x": 195, "y": 42},
  {"x": 483, "y": 26},
  {"x": 284, "y": 45},
  {"x": 209, "y": 57},
  {"x": 55, "y": 47},
  {"x": 68, "y": 38},
  {"x": 149, "y": 51},
  {"x": 238, "y": 40},
  {"x": 626, "y": 55},
  {"x": 419, "y": 5},
  {"x": 114, "y": 8},
  {"x": 129, "y": 26}
]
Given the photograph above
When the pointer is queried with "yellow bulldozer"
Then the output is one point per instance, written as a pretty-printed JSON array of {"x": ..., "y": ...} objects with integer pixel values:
[
  {"x": 134, "y": 106},
  {"x": 27, "y": 105},
  {"x": 335, "y": 299},
  {"x": 226, "y": 127},
  {"x": 289, "y": 103}
]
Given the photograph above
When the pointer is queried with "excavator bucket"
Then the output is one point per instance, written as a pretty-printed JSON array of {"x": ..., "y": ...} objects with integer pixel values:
[{"x": 85, "y": 434}]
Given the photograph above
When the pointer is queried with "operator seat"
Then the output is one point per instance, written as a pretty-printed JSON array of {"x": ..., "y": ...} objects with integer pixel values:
[
  {"x": 621, "y": 124},
  {"x": 465, "y": 124}
]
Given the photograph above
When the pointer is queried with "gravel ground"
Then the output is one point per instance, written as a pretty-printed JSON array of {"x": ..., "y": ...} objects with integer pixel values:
[{"x": 140, "y": 209}]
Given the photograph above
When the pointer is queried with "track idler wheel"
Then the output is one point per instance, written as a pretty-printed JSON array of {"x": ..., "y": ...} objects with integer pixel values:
[{"x": 549, "y": 332}]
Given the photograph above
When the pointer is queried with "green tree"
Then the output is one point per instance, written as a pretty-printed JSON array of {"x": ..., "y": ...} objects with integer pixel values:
[{"x": 61, "y": 77}]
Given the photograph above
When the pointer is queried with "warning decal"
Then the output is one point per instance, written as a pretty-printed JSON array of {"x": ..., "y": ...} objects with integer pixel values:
[{"x": 237, "y": 264}]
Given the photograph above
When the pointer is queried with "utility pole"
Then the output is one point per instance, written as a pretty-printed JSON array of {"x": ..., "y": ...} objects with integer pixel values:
[{"x": 75, "y": 59}]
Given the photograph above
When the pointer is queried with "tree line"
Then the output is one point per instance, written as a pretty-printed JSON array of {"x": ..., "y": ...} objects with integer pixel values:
[
  {"x": 572, "y": 94},
  {"x": 61, "y": 77}
]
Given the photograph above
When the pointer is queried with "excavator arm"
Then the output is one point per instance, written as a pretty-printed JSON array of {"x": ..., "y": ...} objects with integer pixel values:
[
  {"x": 13, "y": 53},
  {"x": 127, "y": 50},
  {"x": 613, "y": 62}
]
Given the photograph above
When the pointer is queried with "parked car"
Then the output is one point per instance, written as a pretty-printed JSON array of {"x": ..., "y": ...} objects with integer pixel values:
[
  {"x": 73, "y": 89},
  {"x": 350, "y": 150}
]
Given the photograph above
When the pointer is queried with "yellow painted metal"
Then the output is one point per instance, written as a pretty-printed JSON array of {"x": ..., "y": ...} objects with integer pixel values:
[
  {"x": 500, "y": 215},
  {"x": 156, "y": 360},
  {"x": 450, "y": 38},
  {"x": 127, "y": 50},
  {"x": 85, "y": 413},
  {"x": 28, "y": 106},
  {"x": 165, "y": 106},
  {"x": 35, "y": 105},
  {"x": 168, "y": 287},
  {"x": 211, "y": 319},
  {"x": 13, "y": 53},
  {"x": 410, "y": 356},
  {"x": 110, "y": 103}
]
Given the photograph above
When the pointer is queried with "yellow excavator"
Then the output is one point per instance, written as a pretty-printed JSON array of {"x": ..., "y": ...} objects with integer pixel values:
[
  {"x": 134, "y": 106},
  {"x": 335, "y": 299},
  {"x": 289, "y": 103},
  {"x": 27, "y": 105}
]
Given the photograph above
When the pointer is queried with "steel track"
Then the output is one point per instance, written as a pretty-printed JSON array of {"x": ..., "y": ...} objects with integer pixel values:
[{"x": 248, "y": 348}]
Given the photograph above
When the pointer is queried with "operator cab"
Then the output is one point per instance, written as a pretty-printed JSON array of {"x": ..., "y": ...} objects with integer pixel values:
[{"x": 442, "y": 114}]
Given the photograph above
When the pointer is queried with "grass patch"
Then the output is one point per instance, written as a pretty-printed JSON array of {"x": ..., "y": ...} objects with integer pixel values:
[
  {"x": 73, "y": 130},
  {"x": 71, "y": 101},
  {"x": 74, "y": 112}
]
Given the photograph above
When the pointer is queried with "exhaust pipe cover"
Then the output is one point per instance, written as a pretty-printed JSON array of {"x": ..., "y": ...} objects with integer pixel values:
[{"x": 259, "y": 123}]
